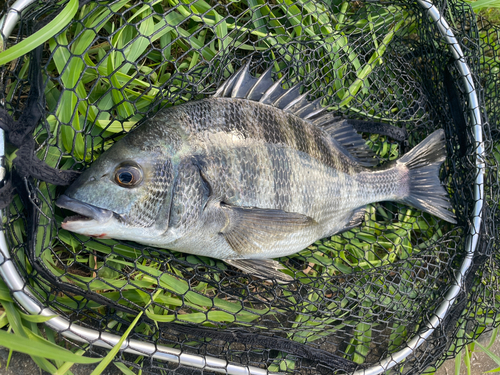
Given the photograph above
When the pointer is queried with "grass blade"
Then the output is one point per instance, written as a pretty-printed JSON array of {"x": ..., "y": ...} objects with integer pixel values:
[
  {"x": 482, "y": 4},
  {"x": 113, "y": 352},
  {"x": 25, "y": 345},
  {"x": 41, "y": 36},
  {"x": 124, "y": 369},
  {"x": 458, "y": 363},
  {"x": 64, "y": 369},
  {"x": 490, "y": 354}
]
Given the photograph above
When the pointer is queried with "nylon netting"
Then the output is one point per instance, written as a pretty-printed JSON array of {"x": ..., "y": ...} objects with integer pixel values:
[{"x": 358, "y": 296}]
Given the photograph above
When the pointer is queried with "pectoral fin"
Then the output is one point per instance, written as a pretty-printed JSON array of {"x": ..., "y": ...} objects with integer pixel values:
[
  {"x": 250, "y": 230},
  {"x": 261, "y": 268}
]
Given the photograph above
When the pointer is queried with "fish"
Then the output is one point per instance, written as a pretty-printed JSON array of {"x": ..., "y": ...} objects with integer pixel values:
[{"x": 252, "y": 173}]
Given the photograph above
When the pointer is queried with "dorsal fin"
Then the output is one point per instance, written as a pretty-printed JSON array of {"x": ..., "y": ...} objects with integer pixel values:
[
  {"x": 344, "y": 133},
  {"x": 261, "y": 86},
  {"x": 243, "y": 83},
  {"x": 263, "y": 89},
  {"x": 236, "y": 84},
  {"x": 300, "y": 102},
  {"x": 273, "y": 92},
  {"x": 288, "y": 97},
  {"x": 311, "y": 109}
]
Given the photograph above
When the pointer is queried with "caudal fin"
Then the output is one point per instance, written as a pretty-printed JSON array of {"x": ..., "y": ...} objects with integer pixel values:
[{"x": 425, "y": 190}]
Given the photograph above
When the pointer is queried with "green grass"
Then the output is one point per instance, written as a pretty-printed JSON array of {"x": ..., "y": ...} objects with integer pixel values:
[
  {"x": 20, "y": 333},
  {"x": 40, "y": 37},
  {"x": 99, "y": 108}
]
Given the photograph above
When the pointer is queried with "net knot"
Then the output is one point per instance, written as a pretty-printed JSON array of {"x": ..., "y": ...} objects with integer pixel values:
[{"x": 20, "y": 134}]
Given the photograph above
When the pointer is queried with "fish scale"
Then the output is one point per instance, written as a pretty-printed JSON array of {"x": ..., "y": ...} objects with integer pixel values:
[
  {"x": 256, "y": 172},
  {"x": 309, "y": 139}
]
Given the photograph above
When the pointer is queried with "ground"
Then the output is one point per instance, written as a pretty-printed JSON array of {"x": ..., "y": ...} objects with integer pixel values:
[
  {"x": 22, "y": 364},
  {"x": 480, "y": 362}
]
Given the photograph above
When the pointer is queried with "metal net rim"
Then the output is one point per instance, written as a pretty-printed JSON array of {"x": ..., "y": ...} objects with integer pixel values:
[{"x": 25, "y": 298}]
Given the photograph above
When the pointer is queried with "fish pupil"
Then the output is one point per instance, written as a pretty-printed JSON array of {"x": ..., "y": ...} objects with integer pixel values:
[
  {"x": 128, "y": 176},
  {"x": 125, "y": 177}
]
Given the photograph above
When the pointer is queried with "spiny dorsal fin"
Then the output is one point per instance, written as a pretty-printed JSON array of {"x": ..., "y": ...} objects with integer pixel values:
[
  {"x": 311, "y": 109},
  {"x": 273, "y": 93},
  {"x": 263, "y": 89},
  {"x": 243, "y": 83},
  {"x": 288, "y": 98},
  {"x": 261, "y": 85},
  {"x": 227, "y": 88},
  {"x": 299, "y": 101}
]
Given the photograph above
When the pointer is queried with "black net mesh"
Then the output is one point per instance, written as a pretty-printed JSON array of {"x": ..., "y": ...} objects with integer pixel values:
[{"x": 357, "y": 297}]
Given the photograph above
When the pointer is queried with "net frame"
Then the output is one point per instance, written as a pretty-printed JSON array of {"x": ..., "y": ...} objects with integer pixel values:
[{"x": 26, "y": 299}]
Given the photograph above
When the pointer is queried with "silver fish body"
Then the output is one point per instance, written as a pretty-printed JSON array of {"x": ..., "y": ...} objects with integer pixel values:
[{"x": 255, "y": 172}]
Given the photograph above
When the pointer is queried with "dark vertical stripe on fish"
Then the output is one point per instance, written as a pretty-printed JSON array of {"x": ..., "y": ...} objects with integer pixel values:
[
  {"x": 277, "y": 130},
  {"x": 281, "y": 176},
  {"x": 311, "y": 139}
]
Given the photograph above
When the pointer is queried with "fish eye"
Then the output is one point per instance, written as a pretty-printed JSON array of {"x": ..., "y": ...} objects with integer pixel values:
[{"x": 128, "y": 176}]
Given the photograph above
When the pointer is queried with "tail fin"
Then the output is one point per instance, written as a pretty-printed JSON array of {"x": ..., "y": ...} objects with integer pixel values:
[{"x": 425, "y": 190}]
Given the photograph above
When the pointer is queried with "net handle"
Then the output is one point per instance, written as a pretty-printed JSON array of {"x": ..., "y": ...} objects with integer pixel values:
[{"x": 26, "y": 299}]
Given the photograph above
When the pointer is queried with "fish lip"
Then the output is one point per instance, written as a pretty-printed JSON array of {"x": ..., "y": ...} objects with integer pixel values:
[{"x": 101, "y": 215}]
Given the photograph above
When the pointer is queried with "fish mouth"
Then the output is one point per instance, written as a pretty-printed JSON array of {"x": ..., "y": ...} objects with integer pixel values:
[{"x": 85, "y": 211}]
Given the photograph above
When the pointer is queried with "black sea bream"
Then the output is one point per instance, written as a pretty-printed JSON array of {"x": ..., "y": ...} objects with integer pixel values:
[{"x": 254, "y": 172}]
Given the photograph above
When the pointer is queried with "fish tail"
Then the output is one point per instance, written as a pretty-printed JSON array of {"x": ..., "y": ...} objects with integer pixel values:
[{"x": 425, "y": 191}]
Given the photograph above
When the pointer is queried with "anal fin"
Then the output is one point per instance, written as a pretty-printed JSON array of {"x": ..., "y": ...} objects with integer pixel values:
[
  {"x": 356, "y": 219},
  {"x": 262, "y": 268}
]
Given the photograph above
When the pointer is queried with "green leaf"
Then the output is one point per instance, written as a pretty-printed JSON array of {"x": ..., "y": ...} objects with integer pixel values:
[
  {"x": 216, "y": 316},
  {"x": 41, "y": 36},
  {"x": 24, "y": 345},
  {"x": 3, "y": 320},
  {"x": 458, "y": 363},
  {"x": 467, "y": 359},
  {"x": 112, "y": 353},
  {"x": 123, "y": 368},
  {"x": 4, "y": 292},
  {"x": 375, "y": 59},
  {"x": 64, "y": 368},
  {"x": 36, "y": 318},
  {"x": 482, "y": 4},
  {"x": 115, "y": 126},
  {"x": 493, "y": 338},
  {"x": 15, "y": 321}
]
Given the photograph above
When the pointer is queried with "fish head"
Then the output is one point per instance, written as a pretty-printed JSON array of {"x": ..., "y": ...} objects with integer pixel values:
[{"x": 125, "y": 194}]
